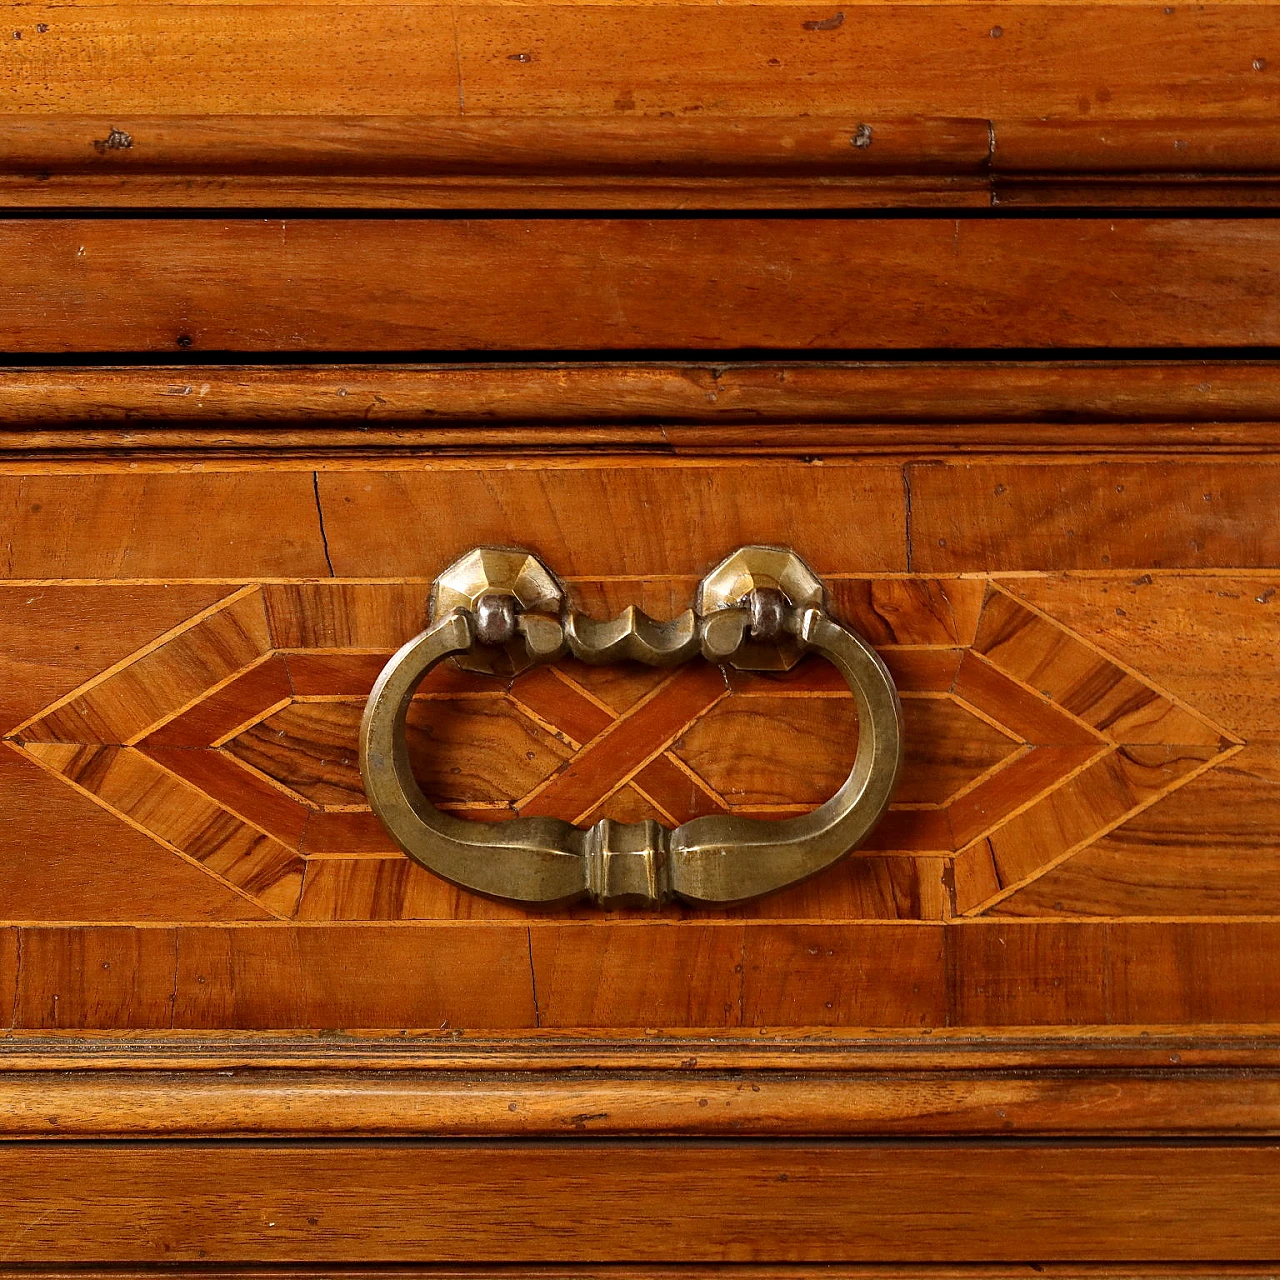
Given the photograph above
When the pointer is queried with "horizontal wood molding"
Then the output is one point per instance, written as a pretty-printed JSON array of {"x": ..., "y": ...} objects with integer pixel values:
[
  {"x": 1155, "y": 1082},
  {"x": 518, "y": 1052},
  {"x": 664, "y": 1271},
  {"x": 704, "y": 161},
  {"x": 391, "y": 146},
  {"x": 786, "y": 407},
  {"x": 1176, "y": 145}
]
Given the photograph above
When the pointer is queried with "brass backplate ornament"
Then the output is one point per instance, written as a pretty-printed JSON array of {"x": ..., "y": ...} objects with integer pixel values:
[{"x": 500, "y": 610}]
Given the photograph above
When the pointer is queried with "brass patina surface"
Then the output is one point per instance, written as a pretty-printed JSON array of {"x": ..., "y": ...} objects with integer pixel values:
[{"x": 502, "y": 611}]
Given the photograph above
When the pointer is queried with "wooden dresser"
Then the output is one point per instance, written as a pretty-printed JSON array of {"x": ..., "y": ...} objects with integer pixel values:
[{"x": 961, "y": 318}]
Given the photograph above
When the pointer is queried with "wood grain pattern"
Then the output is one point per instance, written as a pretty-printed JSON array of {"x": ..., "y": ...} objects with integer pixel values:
[
  {"x": 34, "y": 623},
  {"x": 185, "y": 818},
  {"x": 253, "y": 284},
  {"x": 160, "y": 683},
  {"x": 126, "y": 192},
  {"x": 1012, "y": 976},
  {"x": 1065, "y": 725},
  {"x": 427, "y": 516},
  {"x": 1126, "y": 191},
  {"x": 1177, "y": 145},
  {"x": 127, "y": 58},
  {"x": 1006, "y": 803},
  {"x": 354, "y": 1103},
  {"x": 587, "y": 975},
  {"x": 59, "y": 873},
  {"x": 312, "y": 750},
  {"x": 991, "y": 61},
  {"x": 823, "y": 976},
  {"x": 1166, "y": 515},
  {"x": 1030, "y": 743},
  {"x": 1157, "y": 967},
  {"x": 95, "y": 978},
  {"x": 1189, "y": 972},
  {"x": 683, "y": 976},
  {"x": 1062, "y": 932},
  {"x": 842, "y": 1051},
  {"x": 698, "y": 1271},
  {"x": 165, "y": 526},
  {"x": 1170, "y": 626},
  {"x": 1098, "y": 403},
  {"x": 698, "y": 1202},
  {"x": 1101, "y": 61},
  {"x": 1210, "y": 849},
  {"x": 218, "y": 715},
  {"x": 626, "y": 161},
  {"x": 450, "y": 145}
]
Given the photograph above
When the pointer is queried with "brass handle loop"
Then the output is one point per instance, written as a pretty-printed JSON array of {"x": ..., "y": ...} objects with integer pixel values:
[{"x": 501, "y": 611}]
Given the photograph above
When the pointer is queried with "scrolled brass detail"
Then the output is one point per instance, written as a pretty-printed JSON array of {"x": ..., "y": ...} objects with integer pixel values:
[{"x": 500, "y": 610}]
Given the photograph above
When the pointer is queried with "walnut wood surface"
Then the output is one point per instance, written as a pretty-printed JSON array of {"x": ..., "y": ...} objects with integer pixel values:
[
  {"x": 1088, "y": 674},
  {"x": 1051, "y": 969},
  {"x": 669, "y": 1271},
  {"x": 460, "y": 1202},
  {"x": 263, "y": 284},
  {"x": 369, "y": 1103},
  {"x": 590, "y": 146},
  {"x": 675, "y": 1271},
  {"x": 626, "y": 161},
  {"x": 995, "y": 62},
  {"x": 782, "y": 407}
]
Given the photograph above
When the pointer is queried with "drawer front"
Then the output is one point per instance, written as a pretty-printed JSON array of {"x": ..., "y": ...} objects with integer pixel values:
[{"x": 1085, "y": 830}]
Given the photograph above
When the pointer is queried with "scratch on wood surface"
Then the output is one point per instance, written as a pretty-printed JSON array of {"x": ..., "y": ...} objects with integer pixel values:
[{"x": 31, "y": 1226}]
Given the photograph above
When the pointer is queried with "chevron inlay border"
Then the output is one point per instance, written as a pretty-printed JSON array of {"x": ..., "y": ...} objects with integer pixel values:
[{"x": 232, "y": 740}]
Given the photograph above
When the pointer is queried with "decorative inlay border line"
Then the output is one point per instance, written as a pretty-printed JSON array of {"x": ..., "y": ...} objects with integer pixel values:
[{"x": 155, "y": 740}]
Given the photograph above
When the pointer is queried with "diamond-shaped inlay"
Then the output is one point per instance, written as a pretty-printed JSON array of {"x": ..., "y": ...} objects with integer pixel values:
[{"x": 233, "y": 740}]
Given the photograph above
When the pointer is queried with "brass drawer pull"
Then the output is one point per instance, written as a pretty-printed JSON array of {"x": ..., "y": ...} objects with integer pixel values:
[{"x": 501, "y": 611}]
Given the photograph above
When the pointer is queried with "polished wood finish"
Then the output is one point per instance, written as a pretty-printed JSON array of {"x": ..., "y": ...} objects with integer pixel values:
[
  {"x": 625, "y": 161},
  {"x": 1145, "y": 1080},
  {"x": 370, "y": 1103},
  {"x": 1060, "y": 722},
  {"x": 1030, "y": 1028},
  {"x": 994, "y": 61},
  {"x": 399, "y": 161},
  {"x": 255, "y": 284},
  {"x": 682, "y": 1271},
  {"x": 477, "y": 974},
  {"x": 460, "y": 1202},
  {"x": 591, "y": 146},
  {"x": 791, "y": 407}
]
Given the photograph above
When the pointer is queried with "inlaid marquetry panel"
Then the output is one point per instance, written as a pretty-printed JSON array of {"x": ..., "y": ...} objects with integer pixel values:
[{"x": 1032, "y": 748}]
